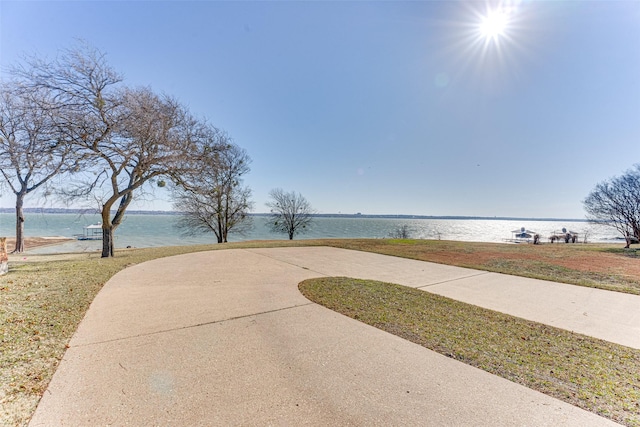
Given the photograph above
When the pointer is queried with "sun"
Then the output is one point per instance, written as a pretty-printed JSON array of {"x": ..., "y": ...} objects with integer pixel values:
[{"x": 494, "y": 24}]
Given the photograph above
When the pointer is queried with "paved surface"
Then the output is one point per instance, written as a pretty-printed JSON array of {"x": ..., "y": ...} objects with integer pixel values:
[{"x": 225, "y": 338}]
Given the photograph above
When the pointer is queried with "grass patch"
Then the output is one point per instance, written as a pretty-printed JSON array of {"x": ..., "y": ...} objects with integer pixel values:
[
  {"x": 595, "y": 375},
  {"x": 557, "y": 273}
]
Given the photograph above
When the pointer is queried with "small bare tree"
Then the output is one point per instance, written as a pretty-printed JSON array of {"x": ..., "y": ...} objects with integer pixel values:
[
  {"x": 30, "y": 152},
  {"x": 401, "y": 232},
  {"x": 291, "y": 213},
  {"x": 211, "y": 196},
  {"x": 616, "y": 203}
]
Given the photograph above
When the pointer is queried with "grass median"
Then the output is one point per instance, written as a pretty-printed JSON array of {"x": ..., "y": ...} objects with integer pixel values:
[
  {"x": 43, "y": 298},
  {"x": 595, "y": 375}
]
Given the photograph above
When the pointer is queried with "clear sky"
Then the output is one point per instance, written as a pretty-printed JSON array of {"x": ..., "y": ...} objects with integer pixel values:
[{"x": 382, "y": 107}]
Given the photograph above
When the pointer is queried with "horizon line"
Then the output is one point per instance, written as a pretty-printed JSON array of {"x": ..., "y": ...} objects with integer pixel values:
[{"x": 354, "y": 215}]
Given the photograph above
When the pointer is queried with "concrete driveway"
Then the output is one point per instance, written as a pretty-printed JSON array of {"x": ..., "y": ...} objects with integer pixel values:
[{"x": 225, "y": 338}]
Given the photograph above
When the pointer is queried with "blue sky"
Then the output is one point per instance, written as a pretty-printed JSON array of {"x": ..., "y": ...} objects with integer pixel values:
[{"x": 382, "y": 107}]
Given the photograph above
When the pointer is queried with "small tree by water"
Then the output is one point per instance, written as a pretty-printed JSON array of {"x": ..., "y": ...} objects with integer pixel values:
[
  {"x": 291, "y": 213},
  {"x": 401, "y": 232}
]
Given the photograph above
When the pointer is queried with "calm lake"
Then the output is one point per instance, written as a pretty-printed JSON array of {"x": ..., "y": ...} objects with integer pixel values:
[{"x": 145, "y": 230}]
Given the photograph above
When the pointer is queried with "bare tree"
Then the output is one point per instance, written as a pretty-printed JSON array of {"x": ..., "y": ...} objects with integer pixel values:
[
  {"x": 30, "y": 152},
  {"x": 153, "y": 137},
  {"x": 211, "y": 197},
  {"x": 84, "y": 88},
  {"x": 616, "y": 203},
  {"x": 401, "y": 232},
  {"x": 291, "y": 213},
  {"x": 127, "y": 137}
]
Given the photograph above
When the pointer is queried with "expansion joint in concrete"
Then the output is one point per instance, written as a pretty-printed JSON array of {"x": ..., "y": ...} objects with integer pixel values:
[
  {"x": 194, "y": 326},
  {"x": 453, "y": 280}
]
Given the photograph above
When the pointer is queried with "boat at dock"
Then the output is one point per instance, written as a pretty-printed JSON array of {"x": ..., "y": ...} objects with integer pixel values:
[{"x": 523, "y": 236}]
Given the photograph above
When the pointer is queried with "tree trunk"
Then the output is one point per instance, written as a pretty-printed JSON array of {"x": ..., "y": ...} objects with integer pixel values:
[
  {"x": 219, "y": 233},
  {"x": 107, "y": 231},
  {"x": 225, "y": 232},
  {"x": 107, "y": 241},
  {"x": 19, "y": 223},
  {"x": 109, "y": 225}
]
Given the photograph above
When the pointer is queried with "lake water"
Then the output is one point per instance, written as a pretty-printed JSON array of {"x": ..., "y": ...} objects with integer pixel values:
[{"x": 140, "y": 230}]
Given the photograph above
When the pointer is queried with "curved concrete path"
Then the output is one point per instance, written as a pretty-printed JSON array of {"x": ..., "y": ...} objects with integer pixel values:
[{"x": 225, "y": 338}]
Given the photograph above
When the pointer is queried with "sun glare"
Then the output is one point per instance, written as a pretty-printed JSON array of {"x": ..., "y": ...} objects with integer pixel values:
[{"x": 494, "y": 24}]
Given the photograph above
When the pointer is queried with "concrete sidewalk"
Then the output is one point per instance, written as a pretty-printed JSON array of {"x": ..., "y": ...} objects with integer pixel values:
[{"x": 225, "y": 338}]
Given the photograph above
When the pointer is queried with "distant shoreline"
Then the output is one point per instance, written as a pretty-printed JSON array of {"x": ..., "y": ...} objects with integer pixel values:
[{"x": 63, "y": 211}]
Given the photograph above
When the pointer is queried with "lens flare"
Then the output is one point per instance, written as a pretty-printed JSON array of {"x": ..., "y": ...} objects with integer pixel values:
[{"x": 494, "y": 24}]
